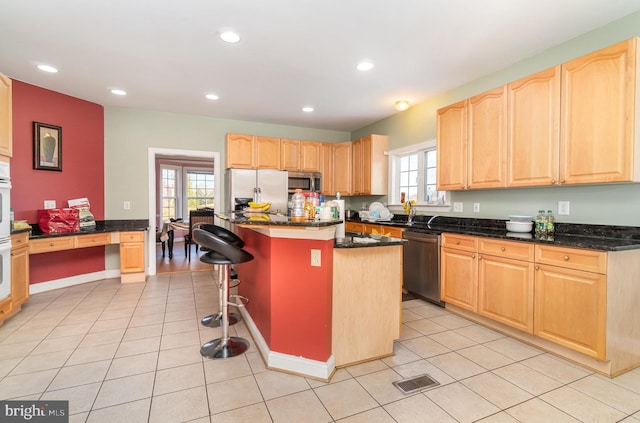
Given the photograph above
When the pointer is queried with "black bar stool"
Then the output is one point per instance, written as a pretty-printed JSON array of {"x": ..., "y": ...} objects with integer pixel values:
[
  {"x": 215, "y": 320},
  {"x": 223, "y": 254}
]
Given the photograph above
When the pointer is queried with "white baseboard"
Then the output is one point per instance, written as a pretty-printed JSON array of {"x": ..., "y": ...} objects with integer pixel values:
[
  {"x": 278, "y": 361},
  {"x": 72, "y": 281}
]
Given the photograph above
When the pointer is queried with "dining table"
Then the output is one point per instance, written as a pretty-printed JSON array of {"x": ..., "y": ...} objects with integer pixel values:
[{"x": 166, "y": 234}]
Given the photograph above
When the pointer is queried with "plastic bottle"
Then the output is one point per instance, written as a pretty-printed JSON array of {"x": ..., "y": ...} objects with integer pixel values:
[
  {"x": 551, "y": 226},
  {"x": 297, "y": 209},
  {"x": 541, "y": 225}
]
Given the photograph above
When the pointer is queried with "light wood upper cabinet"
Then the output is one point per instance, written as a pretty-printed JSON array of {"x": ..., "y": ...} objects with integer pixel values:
[
  {"x": 6, "y": 124},
  {"x": 240, "y": 151},
  {"x": 289, "y": 154},
  {"x": 267, "y": 153},
  {"x": 326, "y": 169},
  {"x": 310, "y": 156},
  {"x": 252, "y": 152},
  {"x": 487, "y": 139},
  {"x": 534, "y": 129},
  {"x": 342, "y": 164},
  {"x": 451, "y": 144},
  {"x": 598, "y": 116},
  {"x": 370, "y": 165}
]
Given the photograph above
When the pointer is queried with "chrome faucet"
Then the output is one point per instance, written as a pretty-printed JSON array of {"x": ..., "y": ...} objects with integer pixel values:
[{"x": 412, "y": 213}]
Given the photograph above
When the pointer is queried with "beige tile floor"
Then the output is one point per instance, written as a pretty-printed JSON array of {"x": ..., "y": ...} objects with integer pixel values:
[{"x": 130, "y": 353}]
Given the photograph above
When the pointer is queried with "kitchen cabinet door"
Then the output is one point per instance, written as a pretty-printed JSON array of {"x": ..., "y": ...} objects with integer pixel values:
[
  {"x": 267, "y": 153},
  {"x": 451, "y": 144},
  {"x": 459, "y": 278},
  {"x": 240, "y": 151},
  {"x": 487, "y": 139},
  {"x": 354, "y": 227},
  {"x": 326, "y": 168},
  {"x": 570, "y": 309},
  {"x": 598, "y": 116},
  {"x": 6, "y": 123},
  {"x": 370, "y": 165},
  {"x": 505, "y": 291},
  {"x": 358, "y": 183},
  {"x": 290, "y": 154},
  {"x": 342, "y": 165},
  {"x": 19, "y": 269},
  {"x": 534, "y": 129},
  {"x": 310, "y": 157}
]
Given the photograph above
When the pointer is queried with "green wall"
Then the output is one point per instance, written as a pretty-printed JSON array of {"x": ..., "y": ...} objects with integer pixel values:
[
  {"x": 617, "y": 204},
  {"x": 130, "y": 132}
]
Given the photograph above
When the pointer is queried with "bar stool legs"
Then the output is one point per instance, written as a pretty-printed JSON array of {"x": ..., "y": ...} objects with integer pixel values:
[
  {"x": 215, "y": 320},
  {"x": 225, "y": 346}
]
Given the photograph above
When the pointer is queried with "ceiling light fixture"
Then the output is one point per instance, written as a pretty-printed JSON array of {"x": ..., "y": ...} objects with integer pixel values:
[
  {"x": 402, "y": 105},
  {"x": 364, "y": 66},
  {"x": 118, "y": 92},
  {"x": 229, "y": 37},
  {"x": 211, "y": 97},
  {"x": 47, "y": 68},
  {"x": 307, "y": 109}
]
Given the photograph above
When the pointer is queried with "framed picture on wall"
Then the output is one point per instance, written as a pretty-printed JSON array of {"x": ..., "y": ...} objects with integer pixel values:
[{"x": 47, "y": 146}]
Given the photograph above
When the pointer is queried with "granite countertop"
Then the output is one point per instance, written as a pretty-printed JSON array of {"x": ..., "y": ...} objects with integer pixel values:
[
  {"x": 356, "y": 240},
  {"x": 102, "y": 226},
  {"x": 592, "y": 237},
  {"x": 271, "y": 219}
]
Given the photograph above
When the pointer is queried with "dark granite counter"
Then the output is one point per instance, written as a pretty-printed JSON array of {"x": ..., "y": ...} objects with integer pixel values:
[
  {"x": 593, "y": 237},
  {"x": 102, "y": 226},
  {"x": 267, "y": 219},
  {"x": 355, "y": 240}
]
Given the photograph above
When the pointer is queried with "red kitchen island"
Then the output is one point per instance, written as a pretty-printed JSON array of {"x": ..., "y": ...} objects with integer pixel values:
[{"x": 309, "y": 316}]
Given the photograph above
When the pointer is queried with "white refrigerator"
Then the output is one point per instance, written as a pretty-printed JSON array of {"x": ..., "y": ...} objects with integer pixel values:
[{"x": 272, "y": 185}]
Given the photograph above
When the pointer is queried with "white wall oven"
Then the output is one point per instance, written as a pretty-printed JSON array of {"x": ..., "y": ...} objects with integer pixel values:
[{"x": 5, "y": 230}]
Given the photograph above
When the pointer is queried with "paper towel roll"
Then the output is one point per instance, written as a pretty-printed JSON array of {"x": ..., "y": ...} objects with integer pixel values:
[{"x": 340, "y": 227}]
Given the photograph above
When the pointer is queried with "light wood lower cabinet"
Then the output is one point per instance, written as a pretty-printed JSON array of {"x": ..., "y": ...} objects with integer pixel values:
[
  {"x": 132, "y": 256},
  {"x": 570, "y": 304},
  {"x": 19, "y": 269},
  {"x": 459, "y": 271},
  {"x": 505, "y": 282}
]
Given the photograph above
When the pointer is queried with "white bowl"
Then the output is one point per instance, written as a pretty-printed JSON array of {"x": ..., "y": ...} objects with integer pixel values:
[
  {"x": 519, "y": 218},
  {"x": 519, "y": 226}
]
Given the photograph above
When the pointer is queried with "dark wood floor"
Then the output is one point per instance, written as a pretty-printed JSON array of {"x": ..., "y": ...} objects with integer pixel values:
[{"x": 179, "y": 262}]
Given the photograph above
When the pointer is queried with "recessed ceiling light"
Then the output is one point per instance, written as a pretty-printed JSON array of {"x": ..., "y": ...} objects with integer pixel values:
[
  {"x": 402, "y": 105},
  {"x": 118, "y": 92},
  {"x": 211, "y": 97},
  {"x": 47, "y": 68},
  {"x": 229, "y": 37},
  {"x": 364, "y": 66},
  {"x": 307, "y": 109}
]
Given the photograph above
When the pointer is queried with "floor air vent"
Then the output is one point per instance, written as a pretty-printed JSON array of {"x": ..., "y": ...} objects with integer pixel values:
[{"x": 416, "y": 383}]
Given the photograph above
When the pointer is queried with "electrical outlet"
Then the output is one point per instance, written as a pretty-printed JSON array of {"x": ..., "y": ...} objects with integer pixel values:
[
  {"x": 315, "y": 258},
  {"x": 49, "y": 204},
  {"x": 476, "y": 207},
  {"x": 457, "y": 207},
  {"x": 127, "y": 205},
  {"x": 563, "y": 207}
]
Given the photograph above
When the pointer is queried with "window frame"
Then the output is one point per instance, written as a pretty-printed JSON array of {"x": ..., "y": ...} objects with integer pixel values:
[
  {"x": 178, "y": 189},
  {"x": 393, "y": 198},
  {"x": 185, "y": 189}
]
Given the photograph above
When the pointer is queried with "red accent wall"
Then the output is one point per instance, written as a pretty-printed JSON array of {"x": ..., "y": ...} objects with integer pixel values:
[
  {"x": 289, "y": 301},
  {"x": 82, "y": 173}
]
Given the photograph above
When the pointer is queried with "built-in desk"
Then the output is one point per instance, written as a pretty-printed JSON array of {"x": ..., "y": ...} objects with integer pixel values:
[{"x": 129, "y": 234}]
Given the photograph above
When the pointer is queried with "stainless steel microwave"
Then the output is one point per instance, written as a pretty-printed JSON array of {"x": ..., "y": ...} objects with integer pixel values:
[{"x": 306, "y": 181}]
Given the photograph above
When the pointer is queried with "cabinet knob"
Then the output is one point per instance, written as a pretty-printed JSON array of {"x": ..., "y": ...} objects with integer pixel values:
[
  {"x": 553, "y": 182},
  {"x": 537, "y": 267},
  {"x": 502, "y": 248},
  {"x": 51, "y": 244},
  {"x": 562, "y": 181},
  {"x": 479, "y": 257},
  {"x": 457, "y": 242},
  {"x": 473, "y": 256},
  {"x": 565, "y": 258}
]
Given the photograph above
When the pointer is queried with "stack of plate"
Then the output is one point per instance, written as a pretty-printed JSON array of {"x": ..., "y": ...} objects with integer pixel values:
[
  {"x": 517, "y": 223},
  {"x": 378, "y": 211}
]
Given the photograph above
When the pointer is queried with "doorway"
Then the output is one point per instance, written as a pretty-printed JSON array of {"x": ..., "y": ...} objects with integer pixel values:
[{"x": 153, "y": 154}]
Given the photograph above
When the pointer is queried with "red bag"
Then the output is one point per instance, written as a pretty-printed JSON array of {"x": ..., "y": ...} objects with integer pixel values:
[{"x": 59, "y": 221}]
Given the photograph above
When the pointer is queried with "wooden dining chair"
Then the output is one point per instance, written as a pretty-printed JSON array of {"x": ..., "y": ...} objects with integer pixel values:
[{"x": 196, "y": 216}]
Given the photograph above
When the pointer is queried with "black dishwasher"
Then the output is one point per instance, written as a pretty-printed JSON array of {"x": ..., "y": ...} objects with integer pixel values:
[{"x": 421, "y": 265}]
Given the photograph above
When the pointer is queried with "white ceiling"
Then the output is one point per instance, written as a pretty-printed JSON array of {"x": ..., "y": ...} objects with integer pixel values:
[{"x": 293, "y": 53}]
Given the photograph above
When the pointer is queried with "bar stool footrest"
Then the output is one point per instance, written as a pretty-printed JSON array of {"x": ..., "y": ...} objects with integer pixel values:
[
  {"x": 215, "y": 320},
  {"x": 243, "y": 300}
]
